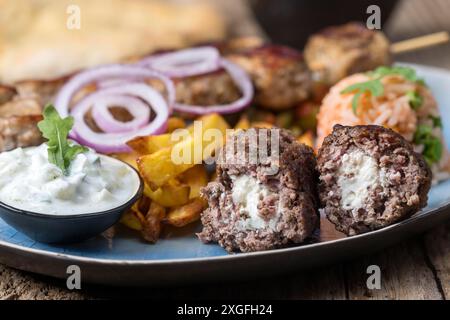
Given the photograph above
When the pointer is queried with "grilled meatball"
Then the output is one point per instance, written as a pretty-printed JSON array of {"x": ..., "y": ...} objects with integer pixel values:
[
  {"x": 41, "y": 90},
  {"x": 19, "y": 131},
  {"x": 205, "y": 90},
  {"x": 20, "y": 111},
  {"x": 370, "y": 177},
  {"x": 339, "y": 51},
  {"x": 265, "y": 204},
  {"x": 6, "y": 94},
  {"x": 279, "y": 74}
]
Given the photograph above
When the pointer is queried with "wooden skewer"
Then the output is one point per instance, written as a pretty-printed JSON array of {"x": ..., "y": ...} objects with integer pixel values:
[{"x": 420, "y": 42}]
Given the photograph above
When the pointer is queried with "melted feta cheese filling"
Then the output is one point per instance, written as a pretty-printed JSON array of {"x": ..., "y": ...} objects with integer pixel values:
[
  {"x": 248, "y": 193},
  {"x": 359, "y": 174}
]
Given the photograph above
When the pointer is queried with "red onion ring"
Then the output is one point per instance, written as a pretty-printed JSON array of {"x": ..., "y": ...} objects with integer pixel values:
[
  {"x": 185, "y": 63},
  {"x": 106, "y": 121},
  {"x": 116, "y": 142},
  {"x": 117, "y": 71},
  {"x": 244, "y": 83}
]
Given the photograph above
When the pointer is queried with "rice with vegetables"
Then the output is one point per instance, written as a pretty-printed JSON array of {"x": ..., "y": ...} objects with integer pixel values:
[{"x": 394, "y": 98}]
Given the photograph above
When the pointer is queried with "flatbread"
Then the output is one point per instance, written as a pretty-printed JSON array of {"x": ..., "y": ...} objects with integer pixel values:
[{"x": 35, "y": 42}]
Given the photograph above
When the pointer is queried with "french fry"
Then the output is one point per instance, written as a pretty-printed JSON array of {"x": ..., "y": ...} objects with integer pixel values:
[
  {"x": 196, "y": 178},
  {"x": 172, "y": 194},
  {"x": 158, "y": 168},
  {"x": 175, "y": 123},
  {"x": 307, "y": 138},
  {"x": 181, "y": 216},
  {"x": 150, "y": 144},
  {"x": 152, "y": 222},
  {"x": 131, "y": 220}
]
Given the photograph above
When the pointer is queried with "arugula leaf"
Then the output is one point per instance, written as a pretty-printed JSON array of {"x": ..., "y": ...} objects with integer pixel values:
[
  {"x": 415, "y": 100},
  {"x": 433, "y": 148},
  {"x": 55, "y": 130},
  {"x": 437, "y": 121},
  {"x": 374, "y": 87}
]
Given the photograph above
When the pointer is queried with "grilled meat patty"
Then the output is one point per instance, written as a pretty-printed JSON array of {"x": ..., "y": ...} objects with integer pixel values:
[
  {"x": 339, "y": 51},
  {"x": 370, "y": 177},
  {"x": 263, "y": 205},
  {"x": 206, "y": 90},
  {"x": 279, "y": 74},
  {"x": 20, "y": 110}
]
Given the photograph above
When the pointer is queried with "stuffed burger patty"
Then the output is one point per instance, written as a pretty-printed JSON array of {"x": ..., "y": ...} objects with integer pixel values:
[{"x": 265, "y": 205}]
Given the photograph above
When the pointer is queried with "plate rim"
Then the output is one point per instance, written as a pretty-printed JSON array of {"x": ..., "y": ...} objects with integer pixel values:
[
  {"x": 101, "y": 261},
  {"x": 441, "y": 209}
]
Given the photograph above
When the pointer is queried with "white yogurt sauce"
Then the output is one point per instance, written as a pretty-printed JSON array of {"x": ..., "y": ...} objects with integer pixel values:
[
  {"x": 93, "y": 183},
  {"x": 358, "y": 175},
  {"x": 248, "y": 192}
]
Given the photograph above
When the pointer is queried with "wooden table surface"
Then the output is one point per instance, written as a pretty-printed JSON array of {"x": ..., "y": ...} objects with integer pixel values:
[{"x": 418, "y": 268}]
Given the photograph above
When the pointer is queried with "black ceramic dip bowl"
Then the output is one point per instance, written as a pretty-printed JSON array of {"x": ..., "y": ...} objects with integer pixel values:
[{"x": 51, "y": 228}]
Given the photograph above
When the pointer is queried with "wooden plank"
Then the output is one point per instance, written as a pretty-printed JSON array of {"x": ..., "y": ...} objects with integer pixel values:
[
  {"x": 321, "y": 284},
  {"x": 22, "y": 286},
  {"x": 405, "y": 275},
  {"x": 437, "y": 243}
]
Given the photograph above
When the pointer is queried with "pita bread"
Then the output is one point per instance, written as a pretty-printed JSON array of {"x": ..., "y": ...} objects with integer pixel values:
[{"x": 35, "y": 42}]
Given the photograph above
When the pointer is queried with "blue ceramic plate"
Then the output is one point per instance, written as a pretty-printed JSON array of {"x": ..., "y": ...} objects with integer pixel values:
[{"x": 179, "y": 258}]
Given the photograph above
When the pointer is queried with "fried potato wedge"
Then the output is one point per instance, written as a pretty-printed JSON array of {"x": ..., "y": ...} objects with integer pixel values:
[
  {"x": 159, "y": 167},
  {"x": 150, "y": 144},
  {"x": 175, "y": 123},
  {"x": 190, "y": 212},
  {"x": 131, "y": 220},
  {"x": 152, "y": 222},
  {"x": 196, "y": 178},
  {"x": 172, "y": 194}
]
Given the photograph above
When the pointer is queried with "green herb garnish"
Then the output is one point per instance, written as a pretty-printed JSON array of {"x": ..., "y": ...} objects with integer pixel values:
[
  {"x": 415, "y": 100},
  {"x": 60, "y": 151},
  {"x": 407, "y": 73},
  {"x": 432, "y": 145},
  {"x": 437, "y": 121},
  {"x": 375, "y": 87}
]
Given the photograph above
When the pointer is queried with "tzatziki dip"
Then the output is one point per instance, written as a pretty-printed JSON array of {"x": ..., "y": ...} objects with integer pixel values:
[{"x": 92, "y": 182}]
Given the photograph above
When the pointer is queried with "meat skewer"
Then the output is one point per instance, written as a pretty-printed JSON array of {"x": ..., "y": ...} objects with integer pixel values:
[{"x": 339, "y": 51}]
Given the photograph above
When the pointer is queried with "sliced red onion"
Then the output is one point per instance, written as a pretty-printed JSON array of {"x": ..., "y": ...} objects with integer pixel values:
[
  {"x": 116, "y": 71},
  {"x": 184, "y": 63},
  {"x": 116, "y": 142},
  {"x": 241, "y": 79},
  {"x": 106, "y": 121}
]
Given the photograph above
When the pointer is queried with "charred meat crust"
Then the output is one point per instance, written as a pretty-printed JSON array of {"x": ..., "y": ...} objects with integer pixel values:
[
  {"x": 408, "y": 178},
  {"x": 6, "y": 93},
  {"x": 20, "y": 110},
  {"x": 279, "y": 74},
  {"x": 211, "y": 89},
  {"x": 339, "y": 51},
  {"x": 293, "y": 187},
  {"x": 19, "y": 131}
]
